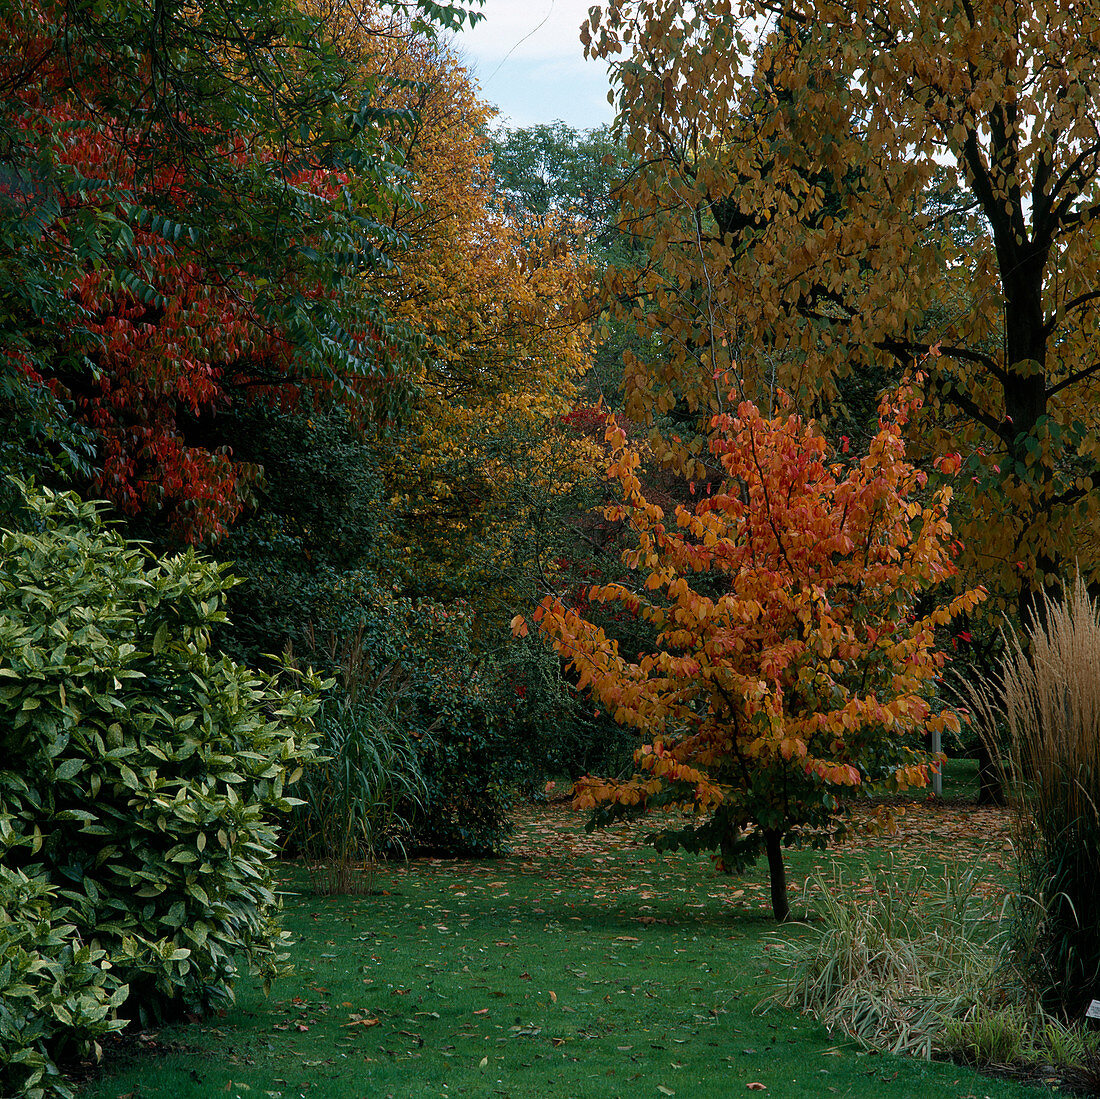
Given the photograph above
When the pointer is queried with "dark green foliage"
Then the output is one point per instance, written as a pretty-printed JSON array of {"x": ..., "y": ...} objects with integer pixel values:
[
  {"x": 38, "y": 433},
  {"x": 562, "y": 734},
  {"x": 447, "y": 697},
  {"x": 442, "y": 694},
  {"x": 316, "y": 555},
  {"x": 141, "y": 771},
  {"x": 555, "y": 169},
  {"x": 315, "y": 530},
  {"x": 470, "y": 762}
]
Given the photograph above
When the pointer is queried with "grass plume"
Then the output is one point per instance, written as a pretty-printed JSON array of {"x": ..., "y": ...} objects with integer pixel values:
[{"x": 1041, "y": 721}]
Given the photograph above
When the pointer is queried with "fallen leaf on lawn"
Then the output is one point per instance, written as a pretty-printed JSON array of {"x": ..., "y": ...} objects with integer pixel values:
[
  {"x": 482, "y": 1011},
  {"x": 554, "y": 997},
  {"x": 665, "y": 1091},
  {"x": 483, "y": 1062},
  {"x": 527, "y": 1030},
  {"x": 626, "y": 939},
  {"x": 757, "y": 1087},
  {"x": 362, "y": 1022}
]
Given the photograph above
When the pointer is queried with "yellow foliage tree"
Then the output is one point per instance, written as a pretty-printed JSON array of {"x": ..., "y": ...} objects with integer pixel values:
[
  {"x": 787, "y": 149},
  {"x": 478, "y": 463}
]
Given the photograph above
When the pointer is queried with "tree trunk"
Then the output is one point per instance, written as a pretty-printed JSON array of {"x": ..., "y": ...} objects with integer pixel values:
[{"x": 780, "y": 908}]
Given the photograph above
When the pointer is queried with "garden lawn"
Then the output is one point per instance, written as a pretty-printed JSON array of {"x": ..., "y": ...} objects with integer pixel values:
[{"x": 579, "y": 966}]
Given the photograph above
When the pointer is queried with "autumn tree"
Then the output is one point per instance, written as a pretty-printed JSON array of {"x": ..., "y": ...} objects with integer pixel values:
[
  {"x": 177, "y": 220},
  {"x": 787, "y": 147},
  {"x": 794, "y": 660},
  {"x": 475, "y": 463}
]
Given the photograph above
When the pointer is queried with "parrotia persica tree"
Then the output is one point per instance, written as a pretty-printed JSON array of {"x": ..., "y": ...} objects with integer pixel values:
[
  {"x": 786, "y": 149},
  {"x": 794, "y": 610}
]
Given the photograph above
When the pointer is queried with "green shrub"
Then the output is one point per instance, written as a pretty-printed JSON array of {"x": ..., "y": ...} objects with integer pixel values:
[
  {"x": 451, "y": 709},
  {"x": 316, "y": 529},
  {"x": 139, "y": 771},
  {"x": 56, "y": 995},
  {"x": 1041, "y": 719},
  {"x": 561, "y": 732},
  {"x": 469, "y": 760}
]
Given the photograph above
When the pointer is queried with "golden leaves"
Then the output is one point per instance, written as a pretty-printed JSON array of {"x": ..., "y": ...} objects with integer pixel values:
[
  {"x": 784, "y": 195},
  {"x": 502, "y": 312}
]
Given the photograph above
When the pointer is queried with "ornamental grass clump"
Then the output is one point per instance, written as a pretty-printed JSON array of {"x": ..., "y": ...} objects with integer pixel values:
[
  {"x": 890, "y": 959},
  {"x": 357, "y": 800},
  {"x": 1041, "y": 720}
]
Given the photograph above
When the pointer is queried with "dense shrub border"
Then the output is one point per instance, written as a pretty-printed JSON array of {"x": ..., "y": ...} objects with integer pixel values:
[{"x": 140, "y": 775}]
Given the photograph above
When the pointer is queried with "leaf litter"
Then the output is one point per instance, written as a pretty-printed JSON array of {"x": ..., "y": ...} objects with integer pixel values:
[{"x": 575, "y": 965}]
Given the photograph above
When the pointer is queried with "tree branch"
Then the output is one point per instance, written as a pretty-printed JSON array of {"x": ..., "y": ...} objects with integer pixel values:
[{"x": 1069, "y": 307}]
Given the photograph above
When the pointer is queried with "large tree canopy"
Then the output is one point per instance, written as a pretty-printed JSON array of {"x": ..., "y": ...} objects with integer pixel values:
[{"x": 787, "y": 148}]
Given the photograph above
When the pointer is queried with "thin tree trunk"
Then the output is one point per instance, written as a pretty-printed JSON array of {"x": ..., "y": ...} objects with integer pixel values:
[{"x": 780, "y": 908}]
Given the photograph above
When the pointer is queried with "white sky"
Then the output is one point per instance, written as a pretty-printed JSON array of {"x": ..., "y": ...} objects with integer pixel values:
[{"x": 528, "y": 58}]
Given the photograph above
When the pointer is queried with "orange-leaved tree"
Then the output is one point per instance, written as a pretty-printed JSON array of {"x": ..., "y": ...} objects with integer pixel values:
[{"x": 794, "y": 614}]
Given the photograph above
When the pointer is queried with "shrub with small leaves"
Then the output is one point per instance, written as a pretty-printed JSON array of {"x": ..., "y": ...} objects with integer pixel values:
[
  {"x": 140, "y": 772},
  {"x": 449, "y": 696}
]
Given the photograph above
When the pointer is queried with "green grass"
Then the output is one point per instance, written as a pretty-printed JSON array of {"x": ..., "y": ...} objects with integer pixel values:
[
  {"x": 960, "y": 780},
  {"x": 580, "y": 966}
]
